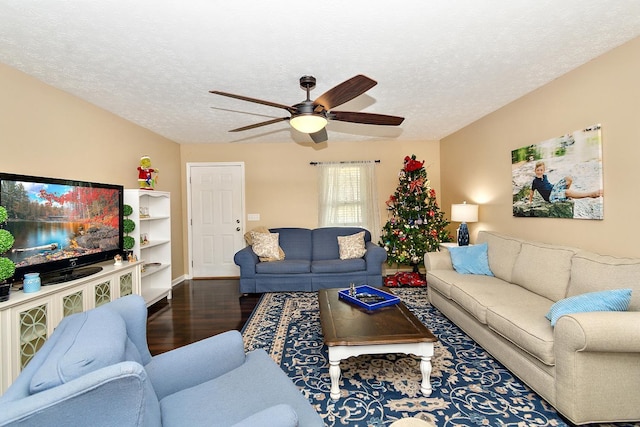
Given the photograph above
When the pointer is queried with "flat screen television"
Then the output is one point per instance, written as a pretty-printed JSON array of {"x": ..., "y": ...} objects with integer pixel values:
[{"x": 61, "y": 227}]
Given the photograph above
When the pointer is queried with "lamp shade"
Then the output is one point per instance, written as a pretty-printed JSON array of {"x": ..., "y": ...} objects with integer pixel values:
[
  {"x": 464, "y": 212},
  {"x": 308, "y": 123}
]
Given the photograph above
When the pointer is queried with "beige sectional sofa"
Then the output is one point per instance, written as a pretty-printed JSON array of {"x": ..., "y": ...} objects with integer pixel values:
[{"x": 588, "y": 365}]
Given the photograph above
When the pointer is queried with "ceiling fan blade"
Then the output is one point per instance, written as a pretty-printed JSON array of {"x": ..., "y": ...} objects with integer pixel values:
[
  {"x": 345, "y": 91},
  {"x": 257, "y": 101},
  {"x": 320, "y": 136},
  {"x": 257, "y": 125},
  {"x": 366, "y": 118}
]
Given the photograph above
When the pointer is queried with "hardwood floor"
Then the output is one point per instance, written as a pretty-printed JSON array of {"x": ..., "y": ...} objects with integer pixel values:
[{"x": 198, "y": 309}]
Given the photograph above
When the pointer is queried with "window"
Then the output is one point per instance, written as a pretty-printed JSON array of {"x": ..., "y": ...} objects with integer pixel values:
[{"x": 348, "y": 196}]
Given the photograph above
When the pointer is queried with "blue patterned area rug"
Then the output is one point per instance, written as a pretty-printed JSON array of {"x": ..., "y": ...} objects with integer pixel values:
[{"x": 469, "y": 387}]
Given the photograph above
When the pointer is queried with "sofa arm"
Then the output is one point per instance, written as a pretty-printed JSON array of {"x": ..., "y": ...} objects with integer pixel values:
[
  {"x": 116, "y": 395},
  {"x": 439, "y": 260},
  {"x": 281, "y": 415},
  {"x": 597, "y": 366},
  {"x": 600, "y": 331},
  {"x": 195, "y": 363},
  {"x": 374, "y": 257},
  {"x": 246, "y": 259}
]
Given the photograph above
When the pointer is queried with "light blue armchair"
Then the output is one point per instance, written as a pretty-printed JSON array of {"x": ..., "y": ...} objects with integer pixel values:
[{"x": 96, "y": 370}]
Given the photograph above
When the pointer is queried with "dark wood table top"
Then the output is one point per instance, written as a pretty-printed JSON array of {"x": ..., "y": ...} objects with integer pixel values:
[{"x": 344, "y": 323}]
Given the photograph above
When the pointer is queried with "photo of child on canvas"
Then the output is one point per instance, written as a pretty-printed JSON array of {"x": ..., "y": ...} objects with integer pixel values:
[{"x": 558, "y": 192}]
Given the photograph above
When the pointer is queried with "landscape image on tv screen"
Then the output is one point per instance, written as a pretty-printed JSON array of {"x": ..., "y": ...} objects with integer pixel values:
[{"x": 52, "y": 222}]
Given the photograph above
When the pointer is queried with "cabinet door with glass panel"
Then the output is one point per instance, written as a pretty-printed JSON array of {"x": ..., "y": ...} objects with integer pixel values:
[{"x": 34, "y": 322}]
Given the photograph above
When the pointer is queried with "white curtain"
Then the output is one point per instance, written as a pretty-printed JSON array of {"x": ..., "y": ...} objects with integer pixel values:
[{"x": 348, "y": 196}]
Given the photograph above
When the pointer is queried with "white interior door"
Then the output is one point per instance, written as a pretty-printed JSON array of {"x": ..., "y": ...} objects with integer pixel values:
[{"x": 216, "y": 192}]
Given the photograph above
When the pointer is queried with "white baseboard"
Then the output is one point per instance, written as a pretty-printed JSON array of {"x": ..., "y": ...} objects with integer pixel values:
[{"x": 177, "y": 280}]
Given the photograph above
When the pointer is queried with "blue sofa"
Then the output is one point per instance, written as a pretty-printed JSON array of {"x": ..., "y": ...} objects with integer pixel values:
[
  {"x": 312, "y": 261},
  {"x": 96, "y": 369}
]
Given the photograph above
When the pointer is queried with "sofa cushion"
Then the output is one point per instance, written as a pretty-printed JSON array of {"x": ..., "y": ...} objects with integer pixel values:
[
  {"x": 476, "y": 293},
  {"x": 441, "y": 280},
  {"x": 89, "y": 341},
  {"x": 295, "y": 242},
  {"x": 325, "y": 241},
  {"x": 611, "y": 300},
  {"x": 543, "y": 269},
  {"x": 351, "y": 246},
  {"x": 470, "y": 259},
  {"x": 524, "y": 324},
  {"x": 338, "y": 266},
  {"x": 286, "y": 266},
  {"x": 503, "y": 252},
  {"x": 591, "y": 272},
  {"x": 265, "y": 245}
]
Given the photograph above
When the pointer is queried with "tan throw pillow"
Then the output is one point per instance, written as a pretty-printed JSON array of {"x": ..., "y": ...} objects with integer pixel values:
[
  {"x": 352, "y": 246},
  {"x": 249, "y": 239},
  {"x": 265, "y": 245},
  {"x": 264, "y": 230}
]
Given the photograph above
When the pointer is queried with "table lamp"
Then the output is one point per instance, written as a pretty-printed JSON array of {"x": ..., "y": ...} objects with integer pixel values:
[{"x": 464, "y": 213}]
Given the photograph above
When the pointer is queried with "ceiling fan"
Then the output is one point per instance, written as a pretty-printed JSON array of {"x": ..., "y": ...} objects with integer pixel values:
[{"x": 311, "y": 116}]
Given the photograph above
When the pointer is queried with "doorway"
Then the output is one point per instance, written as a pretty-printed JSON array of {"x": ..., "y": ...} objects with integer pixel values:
[{"x": 216, "y": 218}]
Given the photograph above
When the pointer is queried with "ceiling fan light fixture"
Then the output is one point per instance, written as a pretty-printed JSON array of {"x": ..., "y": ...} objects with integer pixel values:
[
  {"x": 311, "y": 117},
  {"x": 308, "y": 123}
]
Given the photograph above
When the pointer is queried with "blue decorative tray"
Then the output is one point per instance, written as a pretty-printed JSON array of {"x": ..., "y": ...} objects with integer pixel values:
[{"x": 368, "y": 297}]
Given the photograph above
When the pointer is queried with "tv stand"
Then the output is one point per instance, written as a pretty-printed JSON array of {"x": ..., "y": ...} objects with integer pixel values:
[{"x": 68, "y": 275}]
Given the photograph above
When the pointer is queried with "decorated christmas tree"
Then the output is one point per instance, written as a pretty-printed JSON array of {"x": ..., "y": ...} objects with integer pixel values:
[{"x": 416, "y": 225}]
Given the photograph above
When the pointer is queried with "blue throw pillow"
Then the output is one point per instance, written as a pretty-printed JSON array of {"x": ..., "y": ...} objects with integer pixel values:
[
  {"x": 613, "y": 300},
  {"x": 471, "y": 259}
]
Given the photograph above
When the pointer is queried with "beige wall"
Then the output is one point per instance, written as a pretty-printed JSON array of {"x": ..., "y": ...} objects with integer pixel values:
[
  {"x": 281, "y": 186},
  {"x": 47, "y": 132},
  {"x": 475, "y": 161}
]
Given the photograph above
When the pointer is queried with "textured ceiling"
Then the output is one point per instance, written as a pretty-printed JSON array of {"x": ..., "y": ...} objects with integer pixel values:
[{"x": 441, "y": 64}]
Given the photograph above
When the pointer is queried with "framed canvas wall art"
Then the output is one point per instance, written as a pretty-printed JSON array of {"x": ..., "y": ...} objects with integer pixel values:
[{"x": 560, "y": 177}]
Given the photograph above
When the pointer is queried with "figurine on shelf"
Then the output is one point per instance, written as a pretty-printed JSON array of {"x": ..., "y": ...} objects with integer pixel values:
[
  {"x": 146, "y": 178},
  {"x": 117, "y": 259}
]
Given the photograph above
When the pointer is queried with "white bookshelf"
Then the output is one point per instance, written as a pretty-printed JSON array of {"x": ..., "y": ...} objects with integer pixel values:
[{"x": 155, "y": 251}]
